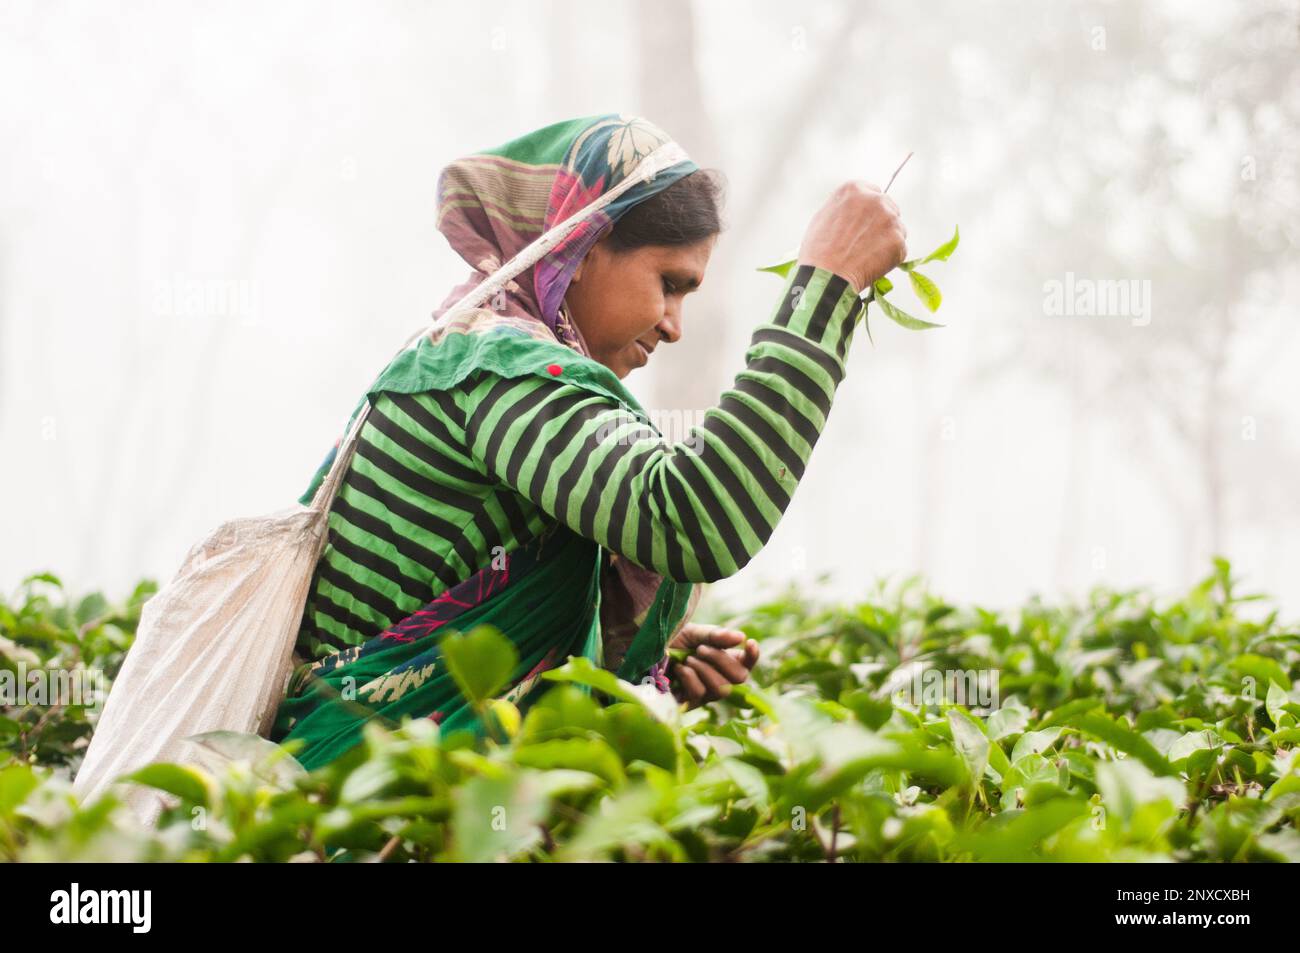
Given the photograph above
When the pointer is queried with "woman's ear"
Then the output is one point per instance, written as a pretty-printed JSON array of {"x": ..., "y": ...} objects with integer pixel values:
[{"x": 599, "y": 247}]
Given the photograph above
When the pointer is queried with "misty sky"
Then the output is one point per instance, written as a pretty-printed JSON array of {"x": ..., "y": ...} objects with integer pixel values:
[{"x": 216, "y": 225}]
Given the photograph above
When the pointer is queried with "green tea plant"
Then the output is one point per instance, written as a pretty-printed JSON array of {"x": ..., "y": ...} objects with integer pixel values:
[
  {"x": 1122, "y": 728},
  {"x": 43, "y": 630}
]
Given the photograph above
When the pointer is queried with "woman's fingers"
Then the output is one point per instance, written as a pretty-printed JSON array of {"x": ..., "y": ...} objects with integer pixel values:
[
  {"x": 717, "y": 685},
  {"x": 718, "y": 659},
  {"x": 693, "y": 634},
  {"x": 692, "y": 687},
  {"x": 723, "y": 661},
  {"x": 725, "y": 638},
  {"x": 740, "y": 648}
]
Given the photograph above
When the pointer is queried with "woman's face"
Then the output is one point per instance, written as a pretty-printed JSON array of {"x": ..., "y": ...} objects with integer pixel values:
[{"x": 626, "y": 303}]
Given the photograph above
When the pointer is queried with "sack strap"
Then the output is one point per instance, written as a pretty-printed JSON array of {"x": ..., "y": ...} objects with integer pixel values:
[{"x": 665, "y": 156}]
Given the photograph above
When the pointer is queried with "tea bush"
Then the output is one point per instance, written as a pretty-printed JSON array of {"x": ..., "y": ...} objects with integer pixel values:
[{"x": 902, "y": 728}]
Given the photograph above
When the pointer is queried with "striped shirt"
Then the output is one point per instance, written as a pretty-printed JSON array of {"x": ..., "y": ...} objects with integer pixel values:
[{"x": 443, "y": 481}]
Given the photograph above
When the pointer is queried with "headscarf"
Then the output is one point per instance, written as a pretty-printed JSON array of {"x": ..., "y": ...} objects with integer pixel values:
[{"x": 493, "y": 203}]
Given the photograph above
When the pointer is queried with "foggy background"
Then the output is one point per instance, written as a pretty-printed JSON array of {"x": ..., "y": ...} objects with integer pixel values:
[{"x": 217, "y": 225}]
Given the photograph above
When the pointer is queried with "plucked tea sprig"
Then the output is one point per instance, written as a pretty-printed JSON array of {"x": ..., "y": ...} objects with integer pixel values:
[{"x": 924, "y": 286}]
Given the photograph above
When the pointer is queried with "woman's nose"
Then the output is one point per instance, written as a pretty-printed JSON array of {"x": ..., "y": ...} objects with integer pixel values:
[{"x": 670, "y": 328}]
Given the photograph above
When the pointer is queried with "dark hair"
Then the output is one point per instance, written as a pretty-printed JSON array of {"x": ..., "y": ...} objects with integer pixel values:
[{"x": 686, "y": 212}]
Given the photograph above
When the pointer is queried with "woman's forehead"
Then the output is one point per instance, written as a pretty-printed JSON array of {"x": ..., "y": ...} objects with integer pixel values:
[{"x": 687, "y": 258}]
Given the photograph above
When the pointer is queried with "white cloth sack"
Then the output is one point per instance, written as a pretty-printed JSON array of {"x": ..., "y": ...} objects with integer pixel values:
[
  {"x": 213, "y": 651},
  {"x": 214, "y": 647}
]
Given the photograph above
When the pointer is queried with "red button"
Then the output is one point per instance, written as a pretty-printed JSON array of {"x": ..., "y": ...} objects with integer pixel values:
[{"x": 554, "y": 369}]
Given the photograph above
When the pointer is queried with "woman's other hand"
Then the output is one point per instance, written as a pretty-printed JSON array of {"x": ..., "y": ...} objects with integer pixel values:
[
  {"x": 857, "y": 234},
  {"x": 718, "y": 659}
]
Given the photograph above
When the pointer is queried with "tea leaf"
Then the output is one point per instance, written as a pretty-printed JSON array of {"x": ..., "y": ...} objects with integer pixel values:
[
  {"x": 926, "y": 290},
  {"x": 901, "y": 317}
]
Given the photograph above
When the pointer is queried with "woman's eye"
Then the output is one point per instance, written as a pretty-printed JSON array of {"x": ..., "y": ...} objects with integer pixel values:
[{"x": 668, "y": 287}]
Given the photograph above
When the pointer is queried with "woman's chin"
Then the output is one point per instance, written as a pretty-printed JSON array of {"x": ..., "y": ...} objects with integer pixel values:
[
  {"x": 625, "y": 365},
  {"x": 625, "y": 361},
  {"x": 619, "y": 367}
]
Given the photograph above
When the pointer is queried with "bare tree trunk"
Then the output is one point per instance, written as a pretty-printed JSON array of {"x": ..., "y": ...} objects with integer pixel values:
[
  {"x": 3, "y": 349},
  {"x": 565, "y": 75},
  {"x": 1211, "y": 463},
  {"x": 666, "y": 40},
  {"x": 790, "y": 126},
  {"x": 129, "y": 406},
  {"x": 667, "y": 48},
  {"x": 927, "y": 459},
  {"x": 1067, "y": 540}
]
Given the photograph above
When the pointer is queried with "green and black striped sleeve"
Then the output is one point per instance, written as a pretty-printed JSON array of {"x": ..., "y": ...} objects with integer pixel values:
[{"x": 699, "y": 509}]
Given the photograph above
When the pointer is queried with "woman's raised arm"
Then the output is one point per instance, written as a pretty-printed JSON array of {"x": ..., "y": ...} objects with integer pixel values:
[{"x": 698, "y": 509}]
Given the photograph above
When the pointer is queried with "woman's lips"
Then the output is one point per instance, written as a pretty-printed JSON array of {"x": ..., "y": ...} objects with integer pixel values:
[{"x": 645, "y": 352}]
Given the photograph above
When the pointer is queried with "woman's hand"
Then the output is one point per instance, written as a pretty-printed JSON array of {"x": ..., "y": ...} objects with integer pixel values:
[
  {"x": 718, "y": 659},
  {"x": 857, "y": 234}
]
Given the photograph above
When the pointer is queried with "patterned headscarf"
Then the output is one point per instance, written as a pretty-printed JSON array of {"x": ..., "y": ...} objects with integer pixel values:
[{"x": 494, "y": 203}]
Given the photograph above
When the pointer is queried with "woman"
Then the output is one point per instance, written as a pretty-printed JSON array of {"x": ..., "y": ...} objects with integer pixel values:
[{"x": 505, "y": 476}]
